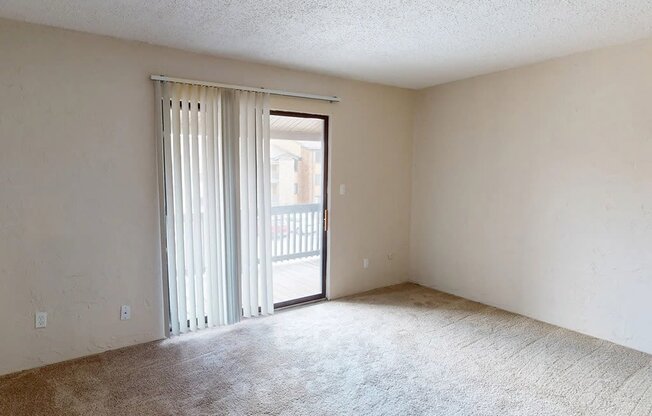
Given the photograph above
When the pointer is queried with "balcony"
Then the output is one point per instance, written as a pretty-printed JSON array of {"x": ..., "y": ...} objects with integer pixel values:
[{"x": 296, "y": 251}]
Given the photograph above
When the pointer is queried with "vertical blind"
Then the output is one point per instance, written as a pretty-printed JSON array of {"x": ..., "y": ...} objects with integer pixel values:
[
  {"x": 255, "y": 196},
  {"x": 217, "y": 204}
]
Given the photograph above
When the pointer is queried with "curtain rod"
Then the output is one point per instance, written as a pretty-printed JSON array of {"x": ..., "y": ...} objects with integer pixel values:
[{"x": 332, "y": 99}]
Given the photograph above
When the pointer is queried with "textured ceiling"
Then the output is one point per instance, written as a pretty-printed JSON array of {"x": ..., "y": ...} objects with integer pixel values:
[{"x": 398, "y": 42}]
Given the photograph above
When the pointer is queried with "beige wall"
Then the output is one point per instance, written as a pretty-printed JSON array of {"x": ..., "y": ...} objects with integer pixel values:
[
  {"x": 78, "y": 193},
  {"x": 532, "y": 188},
  {"x": 532, "y": 191}
]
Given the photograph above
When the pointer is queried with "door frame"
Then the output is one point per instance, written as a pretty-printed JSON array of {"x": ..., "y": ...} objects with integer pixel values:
[{"x": 325, "y": 212}]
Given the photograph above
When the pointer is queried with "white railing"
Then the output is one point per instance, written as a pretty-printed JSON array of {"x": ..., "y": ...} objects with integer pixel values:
[{"x": 296, "y": 231}]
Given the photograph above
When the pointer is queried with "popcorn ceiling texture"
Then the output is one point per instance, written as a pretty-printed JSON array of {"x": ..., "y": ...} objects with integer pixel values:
[
  {"x": 412, "y": 44},
  {"x": 405, "y": 350}
]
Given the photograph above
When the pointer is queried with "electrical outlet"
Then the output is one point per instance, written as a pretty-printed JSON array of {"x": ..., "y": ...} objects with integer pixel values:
[
  {"x": 365, "y": 263},
  {"x": 342, "y": 189},
  {"x": 390, "y": 256},
  {"x": 41, "y": 320},
  {"x": 125, "y": 312}
]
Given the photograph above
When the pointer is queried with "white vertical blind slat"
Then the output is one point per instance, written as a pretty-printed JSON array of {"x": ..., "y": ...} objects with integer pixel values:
[
  {"x": 196, "y": 206},
  {"x": 219, "y": 208},
  {"x": 207, "y": 101},
  {"x": 266, "y": 215},
  {"x": 261, "y": 299},
  {"x": 244, "y": 202},
  {"x": 178, "y": 206},
  {"x": 169, "y": 209},
  {"x": 261, "y": 204},
  {"x": 187, "y": 208},
  {"x": 252, "y": 131},
  {"x": 205, "y": 209}
]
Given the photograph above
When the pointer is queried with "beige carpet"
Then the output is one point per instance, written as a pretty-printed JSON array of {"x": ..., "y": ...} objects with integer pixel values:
[{"x": 404, "y": 350}]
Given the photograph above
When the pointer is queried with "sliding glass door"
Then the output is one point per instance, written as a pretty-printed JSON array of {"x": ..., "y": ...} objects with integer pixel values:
[{"x": 299, "y": 166}]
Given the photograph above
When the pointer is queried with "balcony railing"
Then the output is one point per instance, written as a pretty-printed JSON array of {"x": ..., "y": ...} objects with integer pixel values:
[{"x": 296, "y": 231}]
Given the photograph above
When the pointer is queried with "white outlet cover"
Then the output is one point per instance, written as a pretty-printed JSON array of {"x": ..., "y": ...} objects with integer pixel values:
[
  {"x": 41, "y": 319},
  {"x": 342, "y": 189},
  {"x": 365, "y": 263},
  {"x": 125, "y": 312}
]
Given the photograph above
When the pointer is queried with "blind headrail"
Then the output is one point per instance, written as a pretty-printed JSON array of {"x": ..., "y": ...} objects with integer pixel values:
[{"x": 329, "y": 98}]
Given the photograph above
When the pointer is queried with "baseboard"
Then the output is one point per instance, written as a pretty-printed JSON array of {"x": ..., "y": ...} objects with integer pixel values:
[{"x": 534, "y": 318}]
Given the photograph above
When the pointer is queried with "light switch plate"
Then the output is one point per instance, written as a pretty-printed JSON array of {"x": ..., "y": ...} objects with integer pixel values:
[
  {"x": 342, "y": 189},
  {"x": 41, "y": 319},
  {"x": 365, "y": 263}
]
